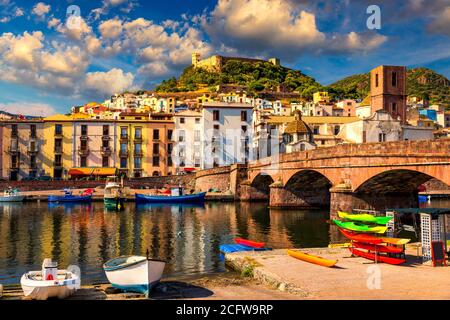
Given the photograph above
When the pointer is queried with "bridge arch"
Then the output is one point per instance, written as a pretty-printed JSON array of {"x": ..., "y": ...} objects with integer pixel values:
[
  {"x": 262, "y": 182},
  {"x": 394, "y": 180}
]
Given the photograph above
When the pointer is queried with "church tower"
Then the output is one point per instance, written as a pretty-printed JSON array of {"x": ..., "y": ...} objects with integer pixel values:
[{"x": 388, "y": 90}]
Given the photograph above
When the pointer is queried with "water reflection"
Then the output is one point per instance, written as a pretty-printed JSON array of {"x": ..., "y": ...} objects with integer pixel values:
[{"x": 188, "y": 237}]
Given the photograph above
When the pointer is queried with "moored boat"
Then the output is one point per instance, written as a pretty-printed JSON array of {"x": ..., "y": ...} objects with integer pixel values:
[
  {"x": 364, "y": 217},
  {"x": 311, "y": 258},
  {"x": 113, "y": 197},
  {"x": 69, "y": 197},
  {"x": 250, "y": 243},
  {"x": 12, "y": 195},
  {"x": 376, "y": 257},
  {"x": 134, "y": 273},
  {"x": 359, "y": 227},
  {"x": 49, "y": 282},
  {"x": 189, "y": 198}
]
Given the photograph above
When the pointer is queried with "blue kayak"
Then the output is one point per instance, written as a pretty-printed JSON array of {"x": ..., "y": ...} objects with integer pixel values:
[
  {"x": 70, "y": 198},
  {"x": 190, "y": 198},
  {"x": 230, "y": 248}
]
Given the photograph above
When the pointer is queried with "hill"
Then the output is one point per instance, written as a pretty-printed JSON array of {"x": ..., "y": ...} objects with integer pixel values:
[
  {"x": 421, "y": 82},
  {"x": 256, "y": 77}
]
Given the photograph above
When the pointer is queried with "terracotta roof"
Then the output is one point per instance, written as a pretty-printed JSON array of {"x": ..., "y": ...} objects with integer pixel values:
[
  {"x": 366, "y": 102},
  {"x": 298, "y": 125}
]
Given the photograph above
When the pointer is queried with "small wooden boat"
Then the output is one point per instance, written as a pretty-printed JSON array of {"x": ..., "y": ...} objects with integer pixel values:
[
  {"x": 359, "y": 227},
  {"x": 250, "y": 243},
  {"x": 49, "y": 282},
  {"x": 69, "y": 197},
  {"x": 113, "y": 197},
  {"x": 377, "y": 248},
  {"x": 311, "y": 258},
  {"x": 190, "y": 198},
  {"x": 12, "y": 195},
  {"x": 364, "y": 217},
  {"x": 376, "y": 257},
  {"x": 134, "y": 273}
]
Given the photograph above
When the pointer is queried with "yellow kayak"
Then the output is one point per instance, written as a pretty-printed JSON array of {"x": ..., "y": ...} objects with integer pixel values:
[
  {"x": 339, "y": 245},
  {"x": 312, "y": 259},
  {"x": 396, "y": 241}
]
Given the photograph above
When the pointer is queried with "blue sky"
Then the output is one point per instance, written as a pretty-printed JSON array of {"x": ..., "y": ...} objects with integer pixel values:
[{"x": 50, "y": 62}]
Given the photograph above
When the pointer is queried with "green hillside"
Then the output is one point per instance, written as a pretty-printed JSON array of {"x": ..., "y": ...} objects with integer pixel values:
[
  {"x": 257, "y": 77},
  {"x": 421, "y": 82}
]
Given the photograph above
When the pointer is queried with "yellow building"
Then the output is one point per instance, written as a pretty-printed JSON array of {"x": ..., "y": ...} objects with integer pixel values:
[{"x": 321, "y": 97}]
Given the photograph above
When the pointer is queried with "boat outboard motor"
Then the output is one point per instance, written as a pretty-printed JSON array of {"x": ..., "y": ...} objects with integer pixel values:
[{"x": 49, "y": 269}]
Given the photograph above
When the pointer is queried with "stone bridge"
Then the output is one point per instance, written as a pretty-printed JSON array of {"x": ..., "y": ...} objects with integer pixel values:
[{"x": 365, "y": 176}]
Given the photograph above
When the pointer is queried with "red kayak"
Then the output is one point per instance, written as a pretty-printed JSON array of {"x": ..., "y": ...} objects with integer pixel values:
[
  {"x": 250, "y": 243},
  {"x": 361, "y": 237},
  {"x": 377, "y": 248},
  {"x": 379, "y": 258}
]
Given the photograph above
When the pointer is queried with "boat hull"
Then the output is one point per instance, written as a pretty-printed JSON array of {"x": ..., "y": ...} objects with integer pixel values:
[
  {"x": 194, "y": 198},
  {"x": 12, "y": 199},
  {"x": 361, "y": 237},
  {"x": 378, "y": 248},
  {"x": 43, "y": 290},
  {"x": 352, "y": 226},
  {"x": 139, "y": 276},
  {"x": 364, "y": 217},
  {"x": 312, "y": 259},
  {"x": 78, "y": 199},
  {"x": 249, "y": 243},
  {"x": 378, "y": 258},
  {"x": 114, "y": 203}
]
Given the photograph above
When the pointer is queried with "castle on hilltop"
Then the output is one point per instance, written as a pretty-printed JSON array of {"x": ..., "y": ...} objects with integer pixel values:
[{"x": 215, "y": 63}]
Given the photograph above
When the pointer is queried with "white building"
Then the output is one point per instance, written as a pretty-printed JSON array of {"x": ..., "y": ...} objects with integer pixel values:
[
  {"x": 226, "y": 133},
  {"x": 188, "y": 134}
]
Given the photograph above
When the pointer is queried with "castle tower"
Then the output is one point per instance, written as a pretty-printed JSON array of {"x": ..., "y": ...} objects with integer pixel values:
[
  {"x": 195, "y": 58},
  {"x": 388, "y": 90},
  {"x": 275, "y": 61}
]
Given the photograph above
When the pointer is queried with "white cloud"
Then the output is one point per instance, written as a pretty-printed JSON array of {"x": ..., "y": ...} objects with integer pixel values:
[
  {"x": 111, "y": 29},
  {"x": 441, "y": 23},
  {"x": 41, "y": 9},
  {"x": 108, "y": 83},
  {"x": 27, "y": 108}
]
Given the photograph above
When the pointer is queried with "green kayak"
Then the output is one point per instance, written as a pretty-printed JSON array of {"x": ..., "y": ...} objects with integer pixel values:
[
  {"x": 359, "y": 227},
  {"x": 364, "y": 217}
]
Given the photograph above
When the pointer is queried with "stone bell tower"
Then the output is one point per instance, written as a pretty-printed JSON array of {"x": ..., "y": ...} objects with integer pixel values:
[{"x": 388, "y": 90}]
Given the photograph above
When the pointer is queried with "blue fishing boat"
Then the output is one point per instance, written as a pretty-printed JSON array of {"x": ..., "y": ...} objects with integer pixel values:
[
  {"x": 190, "y": 198},
  {"x": 69, "y": 197}
]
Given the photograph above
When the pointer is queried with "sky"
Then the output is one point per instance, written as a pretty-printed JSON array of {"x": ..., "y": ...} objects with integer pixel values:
[{"x": 61, "y": 53}]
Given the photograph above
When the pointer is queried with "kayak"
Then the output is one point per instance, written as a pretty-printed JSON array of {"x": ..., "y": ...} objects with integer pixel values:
[
  {"x": 378, "y": 258},
  {"x": 249, "y": 243},
  {"x": 366, "y": 238},
  {"x": 377, "y": 247},
  {"x": 311, "y": 258},
  {"x": 396, "y": 241},
  {"x": 364, "y": 217},
  {"x": 359, "y": 227},
  {"x": 339, "y": 245},
  {"x": 361, "y": 237}
]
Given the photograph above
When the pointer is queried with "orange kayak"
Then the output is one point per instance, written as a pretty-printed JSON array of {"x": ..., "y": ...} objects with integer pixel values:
[{"x": 311, "y": 258}]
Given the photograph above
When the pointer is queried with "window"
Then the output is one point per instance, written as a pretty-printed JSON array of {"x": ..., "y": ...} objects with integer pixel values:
[
  {"x": 58, "y": 160},
  {"x": 382, "y": 137},
  {"x": 197, "y": 162},
  {"x": 138, "y": 163},
  {"x": 14, "y": 131},
  {"x": 156, "y": 148},
  {"x": 216, "y": 127},
  {"x": 182, "y": 120},
  {"x": 83, "y": 162},
  {"x": 196, "y": 150},
  {"x": 84, "y": 130},
  {"x": 33, "y": 161},
  {"x": 155, "y": 134},
  {"x": 123, "y": 163},
  {"x": 83, "y": 145},
  {"x": 197, "y": 120},
  {"x": 376, "y": 80},
  {"x": 138, "y": 149},
  {"x": 337, "y": 129},
  {"x": 244, "y": 129},
  {"x": 138, "y": 133},
  {"x": 197, "y": 135},
  {"x": 216, "y": 115},
  {"x": 105, "y": 162},
  {"x": 394, "y": 107},
  {"x": 105, "y": 143},
  {"x": 33, "y": 131},
  {"x": 123, "y": 147},
  {"x": 244, "y": 116},
  {"x": 169, "y": 135},
  {"x": 155, "y": 161},
  {"x": 181, "y": 135},
  {"x": 316, "y": 130},
  {"x": 106, "y": 130},
  {"x": 394, "y": 79},
  {"x": 123, "y": 133},
  {"x": 58, "y": 129}
]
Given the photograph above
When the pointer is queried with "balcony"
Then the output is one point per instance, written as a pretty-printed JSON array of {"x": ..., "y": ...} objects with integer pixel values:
[
  {"x": 13, "y": 149},
  {"x": 84, "y": 137},
  {"x": 14, "y": 166},
  {"x": 138, "y": 139},
  {"x": 32, "y": 150},
  {"x": 58, "y": 150},
  {"x": 106, "y": 151},
  {"x": 57, "y": 164},
  {"x": 124, "y": 137},
  {"x": 106, "y": 137},
  {"x": 123, "y": 153},
  {"x": 84, "y": 152},
  {"x": 58, "y": 134},
  {"x": 138, "y": 153}
]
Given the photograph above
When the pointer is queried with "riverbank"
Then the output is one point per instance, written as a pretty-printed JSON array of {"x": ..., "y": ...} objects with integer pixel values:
[{"x": 352, "y": 278}]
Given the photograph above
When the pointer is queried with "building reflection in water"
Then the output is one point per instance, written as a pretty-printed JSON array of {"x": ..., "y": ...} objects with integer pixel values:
[{"x": 187, "y": 237}]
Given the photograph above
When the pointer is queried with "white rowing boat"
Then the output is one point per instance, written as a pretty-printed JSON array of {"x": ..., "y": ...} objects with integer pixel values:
[{"x": 49, "y": 282}]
